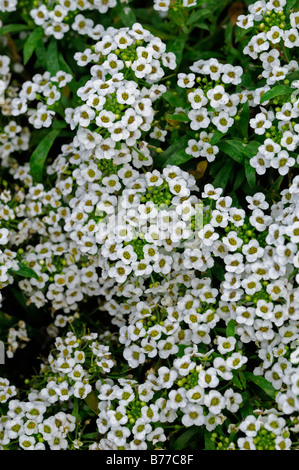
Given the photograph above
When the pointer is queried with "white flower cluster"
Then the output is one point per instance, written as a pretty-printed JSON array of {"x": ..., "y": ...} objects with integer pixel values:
[
  {"x": 213, "y": 107},
  {"x": 5, "y": 90},
  {"x": 45, "y": 90},
  {"x": 201, "y": 293},
  {"x": 7, "y": 391},
  {"x": 279, "y": 126},
  {"x": 59, "y": 17},
  {"x": 13, "y": 139},
  {"x": 31, "y": 422},
  {"x": 266, "y": 431}
]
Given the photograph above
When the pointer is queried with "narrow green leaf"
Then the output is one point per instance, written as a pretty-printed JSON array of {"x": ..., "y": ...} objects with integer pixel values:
[
  {"x": 197, "y": 15},
  {"x": 179, "y": 145},
  {"x": 92, "y": 401},
  {"x": 216, "y": 137},
  {"x": 262, "y": 383},
  {"x": 236, "y": 149},
  {"x": 91, "y": 435},
  {"x": 63, "y": 64},
  {"x": 276, "y": 91},
  {"x": 250, "y": 173},
  {"x": 293, "y": 76},
  {"x": 41, "y": 54},
  {"x": 53, "y": 65},
  {"x": 175, "y": 98},
  {"x": 14, "y": 28},
  {"x": 228, "y": 34},
  {"x": 181, "y": 443},
  {"x": 24, "y": 271},
  {"x": 242, "y": 379},
  {"x": 236, "y": 381},
  {"x": 75, "y": 411},
  {"x": 178, "y": 158},
  {"x": 291, "y": 4},
  {"x": 178, "y": 117},
  {"x": 177, "y": 47},
  {"x": 178, "y": 17},
  {"x": 218, "y": 272},
  {"x": 158, "y": 33},
  {"x": 31, "y": 43},
  {"x": 230, "y": 328},
  {"x": 223, "y": 175},
  {"x": 6, "y": 321},
  {"x": 126, "y": 15},
  {"x": 240, "y": 177},
  {"x": 233, "y": 148},
  {"x": 246, "y": 410},
  {"x": 40, "y": 154},
  {"x": 251, "y": 149},
  {"x": 243, "y": 124}
]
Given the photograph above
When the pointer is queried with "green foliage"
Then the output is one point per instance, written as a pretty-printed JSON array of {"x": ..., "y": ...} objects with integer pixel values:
[
  {"x": 32, "y": 43},
  {"x": 38, "y": 157}
]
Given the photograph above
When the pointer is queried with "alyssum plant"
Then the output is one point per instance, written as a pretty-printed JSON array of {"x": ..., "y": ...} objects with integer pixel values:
[{"x": 149, "y": 224}]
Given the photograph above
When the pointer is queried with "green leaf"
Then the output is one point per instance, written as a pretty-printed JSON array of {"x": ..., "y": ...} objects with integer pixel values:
[
  {"x": 6, "y": 321},
  {"x": 59, "y": 125},
  {"x": 251, "y": 149},
  {"x": 91, "y": 435},
  {"x": 41, "y": 54},
  {"x": 209, "y": 444},
  {"x": 31, "y": 312},
  {"x": 178, "y": 117},
  {"x": 175, "y": 98},
  {"x": 181, "y": 443},
  {"x": 24, "y": 271},
  {"x": 75, "y": 411},
  {"x": 276, "y": 91},
  {"x": 14, "y": 28},
  {"x": 178, "y": 17},
  {"x": 239, "y": 179},
  {"x": 178, "y": 158},
  {"x": 230, "y": 328},
  {"x": 216, "y": 137},
  {"x": 228, "y": 34},
  {"x": 92, "y": 401},
  {"x": 250, "y": 173},
  {"x": 236, "y": 149},
  {"x": 293, "y": 76},
  {"x": 63, "y": 64},
  {"x": 40, "y": 154},
  {"x": 261, "y": 382},
  {"x": 177, "y": 47},
  {"x": 236, "y": 381},
  {"x": 223, "y": 175},
  {"x": 291, "y": 4},
  {"x": 218, "y": 272},
  {"x": 126, "y": 15},
  {"x": 158, "y": 33},
  {"x": 178, "y": 146},
  {"x": 233, "y": 148},
  {"x": 53, "y": 65},
  {"x": 243, "y": 124},
  {"x": 242, "y": 379},
  {"x": 31, "y": 43},
  {"x": 197, "y": 15}
]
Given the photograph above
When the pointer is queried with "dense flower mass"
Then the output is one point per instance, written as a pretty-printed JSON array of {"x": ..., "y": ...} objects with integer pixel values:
[{"x": 149, "y": 225}]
